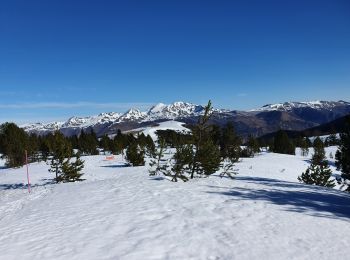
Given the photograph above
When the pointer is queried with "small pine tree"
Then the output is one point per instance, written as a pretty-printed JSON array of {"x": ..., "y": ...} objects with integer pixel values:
[
  {"x": 342, "y": 155},
  {"x": 71, "y": 170},
  {"x": 156, "y": 162},
  {"x": 61, "y": 165},
  {"x": 319, "y": 152},
  {"x": 317, "y": 175},
  {"x": 304, "y": 146},
  {"x": 183, "y": 158},
  {"x": 209, "y": 158},
  {"x": 135, "y": 154}
]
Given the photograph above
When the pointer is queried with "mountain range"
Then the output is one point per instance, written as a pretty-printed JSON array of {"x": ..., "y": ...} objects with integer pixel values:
[{"x": 269, "y": 118}]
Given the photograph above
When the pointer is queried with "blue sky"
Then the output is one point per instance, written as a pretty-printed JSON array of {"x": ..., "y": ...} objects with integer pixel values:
[{"x": 64, "y": 58}]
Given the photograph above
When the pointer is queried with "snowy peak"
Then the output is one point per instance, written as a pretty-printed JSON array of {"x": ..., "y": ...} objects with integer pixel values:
[
  {"x": 175, "y": 110},
  {"x": 132, "y": 114},
  {"x": 288, "y": 106}
]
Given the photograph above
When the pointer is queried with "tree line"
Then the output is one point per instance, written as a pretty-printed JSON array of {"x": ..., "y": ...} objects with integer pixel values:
[{"x": 205, "y": 150}]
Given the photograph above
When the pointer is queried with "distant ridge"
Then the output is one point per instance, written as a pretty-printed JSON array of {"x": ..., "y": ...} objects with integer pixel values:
[{"x": 269, "y": 118}]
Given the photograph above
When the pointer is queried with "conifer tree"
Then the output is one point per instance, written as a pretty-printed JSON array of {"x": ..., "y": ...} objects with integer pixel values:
[
  {"x": 135, "y": 154},
  {"x": 201, "y": 161},
  {"x": 282, "y": 144},
  {"x": 230, "y": 143},
  {"x": 209, "y": 158},
  {"x": 65, "y": 170},
  {"x": 183, "y": 158},
  {"x": 319, "y": 152},
  {"x": 318, "y": 173},
  {"x": 13, "y": 143},
  {"x": 304, "y": 146},
  {"x": 105, "y": 143},
  {"x": 157, "y": 162},
  {"x": 342, "y": 156}
]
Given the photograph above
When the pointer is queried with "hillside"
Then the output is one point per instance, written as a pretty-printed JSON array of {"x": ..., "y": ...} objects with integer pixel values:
[
  {"x": 121, "y": 213},
  {"x": 335, "y": 126}
]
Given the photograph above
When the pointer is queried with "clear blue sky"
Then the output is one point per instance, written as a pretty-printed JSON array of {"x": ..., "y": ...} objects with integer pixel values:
[{"x": 62, "y": 58}]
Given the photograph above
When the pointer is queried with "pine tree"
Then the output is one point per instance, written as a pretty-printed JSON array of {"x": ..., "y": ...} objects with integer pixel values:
[
  {"x": 13, "y": 143},
  {"x": 230, "y": 143},
  {"x": 282, "y": 144},
  {"x": 209, "y": 158},
  {"x": 183, "y": 158},
  {"x": 157, "y": 162},
  {"x": 71, "y": 170},
  {"x": 304, "y": 146},
  {"x": 135, "y": 154},
  {"x": 202, "y": 143},
  {"x": 317, "y": 174},
  {"x": 105, "y": 143},
  {"x": 65, "y": 170},
  {"x": 319, "y": 152},
  {"x": 342, "y": 155}
]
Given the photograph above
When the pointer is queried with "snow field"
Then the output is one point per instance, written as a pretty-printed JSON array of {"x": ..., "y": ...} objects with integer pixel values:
[{"x": 122, "y": 213}]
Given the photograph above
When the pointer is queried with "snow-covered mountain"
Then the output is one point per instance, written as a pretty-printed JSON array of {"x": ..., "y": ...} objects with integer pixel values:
[
  {"x": 288, "y": 115},
  {"x": 288, "y": 106}
]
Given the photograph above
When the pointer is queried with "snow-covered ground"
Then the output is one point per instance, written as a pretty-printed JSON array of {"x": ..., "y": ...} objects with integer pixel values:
[
  {"x": 122, "y": 213},
  {"x": 166, "y": 125}
]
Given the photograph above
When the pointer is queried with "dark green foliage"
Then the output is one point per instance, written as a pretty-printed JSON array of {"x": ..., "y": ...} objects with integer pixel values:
[
  {"x": 105, "y": 143},
  {"x": 135, "y": 154},
  {"x": 282, "y": 144},
  {"x": 71, "y": 170},
  {"x": 319, "y": 152},
  {"x": 304, "y": 146},
  {"x": 120, "y": 142},
  {"x": 183, "y": 158},
  {"x": 209, "y": 158},
  {"x": 317, "y": 175},
  {"x": 61, "y": 165},
  {"x": 13, "y": 143},
  {"x": 88, "y": 143},
  {"x": 230, "y": 143},
  {"x": 157, "y": 162},
  {"x": 331, "y": 140},
  {"x": 204, "y": 147},
  {"x": 251, "y": 148},
  {"x": 342, "y": 156},
  {"x": 173, "y": 138}
]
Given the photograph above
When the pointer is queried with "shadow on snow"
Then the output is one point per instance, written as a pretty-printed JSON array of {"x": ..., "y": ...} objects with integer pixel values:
[
  {"x": 15, "y": 186},
  {"x": 302, "y": 198},
  {"x": 116, "y": 166}
]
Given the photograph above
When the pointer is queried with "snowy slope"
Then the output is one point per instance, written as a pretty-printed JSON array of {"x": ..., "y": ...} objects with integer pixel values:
[
  {"x": 167, "y": 125},
  {"x": 122, "y": 213},
  {"x": 287, "y": 106}
]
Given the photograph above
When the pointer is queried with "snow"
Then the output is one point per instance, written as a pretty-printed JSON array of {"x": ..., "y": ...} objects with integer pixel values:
[
  {"x": 167, "y": 125},
  {"x": 287, "y": 106},
  {"x": 122, "y": 213}
]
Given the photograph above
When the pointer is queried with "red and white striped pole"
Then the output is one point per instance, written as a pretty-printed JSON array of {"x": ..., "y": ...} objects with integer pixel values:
[{"x": 27, "y": 171}]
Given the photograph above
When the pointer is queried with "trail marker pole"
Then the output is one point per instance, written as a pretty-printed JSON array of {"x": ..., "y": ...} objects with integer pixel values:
[{"x": 27, "y": 171}]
